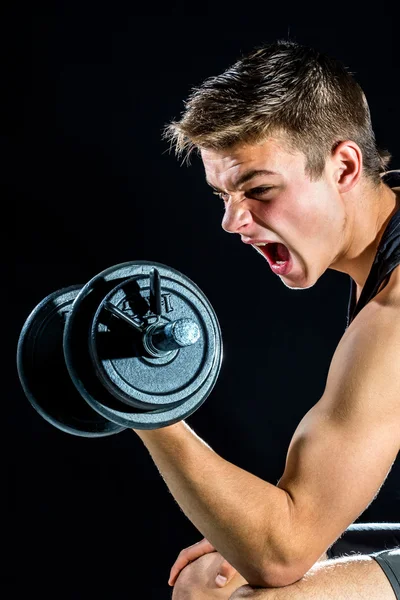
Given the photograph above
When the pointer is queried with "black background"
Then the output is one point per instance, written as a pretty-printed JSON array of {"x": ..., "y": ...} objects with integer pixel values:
[{"x": 88, "y": 89}]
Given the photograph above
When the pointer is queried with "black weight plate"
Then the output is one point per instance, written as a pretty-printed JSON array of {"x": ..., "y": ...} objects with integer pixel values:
[
  {"x": 144, "y": 381},
  {"x": 84, "y": 371},
  {"x": 43, "y": 373}
]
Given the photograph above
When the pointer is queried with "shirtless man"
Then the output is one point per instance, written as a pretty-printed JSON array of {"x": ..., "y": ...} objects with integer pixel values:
[{"x": 286, "y": 141}]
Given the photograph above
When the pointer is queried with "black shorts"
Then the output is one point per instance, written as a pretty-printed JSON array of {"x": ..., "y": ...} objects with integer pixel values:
[
  {"x": 380, "y": 541},
  {"x": 389, "y": 560}
]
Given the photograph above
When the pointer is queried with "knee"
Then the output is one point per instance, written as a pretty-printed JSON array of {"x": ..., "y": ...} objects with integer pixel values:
[{"x": 247, "y": 592}]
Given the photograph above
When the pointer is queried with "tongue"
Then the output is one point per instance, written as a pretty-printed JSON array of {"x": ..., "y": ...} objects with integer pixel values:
[{"x": 281, "y": 252}]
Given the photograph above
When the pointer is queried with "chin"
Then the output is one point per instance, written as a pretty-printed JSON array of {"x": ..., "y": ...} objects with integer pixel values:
[
  {"x": 306, "y": 284},
  {"x": 295, "y": 287}
]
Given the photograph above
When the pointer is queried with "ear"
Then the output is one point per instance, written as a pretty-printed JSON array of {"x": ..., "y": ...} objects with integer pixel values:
[{"x": 346, "y": 160}]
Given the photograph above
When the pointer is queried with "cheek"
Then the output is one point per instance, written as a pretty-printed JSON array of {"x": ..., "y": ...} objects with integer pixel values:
[
  {"x": 289, "y": 218},
  {"x": 310, "y": 213}
]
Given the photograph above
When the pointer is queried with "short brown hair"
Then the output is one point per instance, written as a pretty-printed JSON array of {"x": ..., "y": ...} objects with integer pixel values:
[{"x": 282, "y": 87}]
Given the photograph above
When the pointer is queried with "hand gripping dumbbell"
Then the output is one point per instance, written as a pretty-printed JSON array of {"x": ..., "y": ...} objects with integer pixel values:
[{"x": 139, "y": 346}]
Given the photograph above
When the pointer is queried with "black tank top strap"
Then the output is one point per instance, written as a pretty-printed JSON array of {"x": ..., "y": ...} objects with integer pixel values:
[{"x": 386, "y": 259}]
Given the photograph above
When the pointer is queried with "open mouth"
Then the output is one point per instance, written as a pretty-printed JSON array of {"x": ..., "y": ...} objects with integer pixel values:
[{"x": 277, "y": 255}]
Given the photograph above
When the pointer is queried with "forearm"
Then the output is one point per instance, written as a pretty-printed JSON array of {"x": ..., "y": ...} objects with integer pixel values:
[{"x": 245, "y": 518}]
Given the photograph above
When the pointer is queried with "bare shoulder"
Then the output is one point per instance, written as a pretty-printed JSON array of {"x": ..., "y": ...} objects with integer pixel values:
[
  {"x": 382, "y": 309},
  {"x": 390, "y": 294},
  {"x": 366, "y": 361}
]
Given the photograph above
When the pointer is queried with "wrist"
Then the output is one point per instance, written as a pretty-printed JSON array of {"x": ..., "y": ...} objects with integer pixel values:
[{"x": 166, "y": 431}]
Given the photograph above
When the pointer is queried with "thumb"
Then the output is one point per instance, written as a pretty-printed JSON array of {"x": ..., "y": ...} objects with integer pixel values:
[{"x": 225, "y": 573}]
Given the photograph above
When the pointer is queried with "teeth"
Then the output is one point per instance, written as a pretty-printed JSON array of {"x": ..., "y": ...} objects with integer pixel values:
[
  {"x": 262, "y": 244},
  {"x": 280, "y": 262}
]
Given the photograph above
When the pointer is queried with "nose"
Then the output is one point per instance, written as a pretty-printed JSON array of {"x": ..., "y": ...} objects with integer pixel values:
[{"x": 236, "y": 218}]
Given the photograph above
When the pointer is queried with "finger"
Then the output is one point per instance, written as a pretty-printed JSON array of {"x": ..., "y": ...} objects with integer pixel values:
[
  {"x": 185, "y": 557},
  {"x": 192, "y": 552},
  {"x": 188, "y": 555},
  {"x": 225, "y": 573}
]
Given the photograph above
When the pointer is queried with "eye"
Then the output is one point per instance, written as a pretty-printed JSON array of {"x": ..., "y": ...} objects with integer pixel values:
[
  {"x": 258, "y": 191},
  {"x": 222, "y": 195}
]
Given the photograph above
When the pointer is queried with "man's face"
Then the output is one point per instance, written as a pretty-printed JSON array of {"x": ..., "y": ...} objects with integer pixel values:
[{"x": 302, "y": 221}]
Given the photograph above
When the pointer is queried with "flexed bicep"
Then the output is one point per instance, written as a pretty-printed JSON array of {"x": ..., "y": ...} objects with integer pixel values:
[{"x": 345, "y": 446}]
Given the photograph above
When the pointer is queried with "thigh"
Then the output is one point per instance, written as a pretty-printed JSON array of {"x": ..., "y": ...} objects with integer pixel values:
[
  {"x": 197, "y": 580},
  {"x": 346, "y": 578}
]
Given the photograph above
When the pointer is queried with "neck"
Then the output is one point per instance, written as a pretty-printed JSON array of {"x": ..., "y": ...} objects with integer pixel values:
[{"x": 371, "y": 212}]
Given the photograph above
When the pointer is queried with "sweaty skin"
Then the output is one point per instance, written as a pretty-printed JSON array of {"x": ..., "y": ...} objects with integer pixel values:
[{"x": 273, "y": 534}]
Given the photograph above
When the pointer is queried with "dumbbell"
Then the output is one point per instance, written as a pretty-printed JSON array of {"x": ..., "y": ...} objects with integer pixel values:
[{"x": 139, "y": 346}]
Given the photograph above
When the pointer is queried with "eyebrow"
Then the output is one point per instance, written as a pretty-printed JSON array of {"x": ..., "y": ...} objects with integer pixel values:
[{"x": 247, "y": 176}]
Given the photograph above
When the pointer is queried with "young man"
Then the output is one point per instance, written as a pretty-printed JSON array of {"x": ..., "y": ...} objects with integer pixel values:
[{"x": 286, "y": 141}]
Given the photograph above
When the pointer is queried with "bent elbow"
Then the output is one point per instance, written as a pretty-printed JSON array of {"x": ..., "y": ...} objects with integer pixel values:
[{"x": 282, "y": 575}]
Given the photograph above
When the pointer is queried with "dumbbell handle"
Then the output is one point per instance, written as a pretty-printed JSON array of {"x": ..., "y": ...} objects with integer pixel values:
[{"x": 159, "y": 339}]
